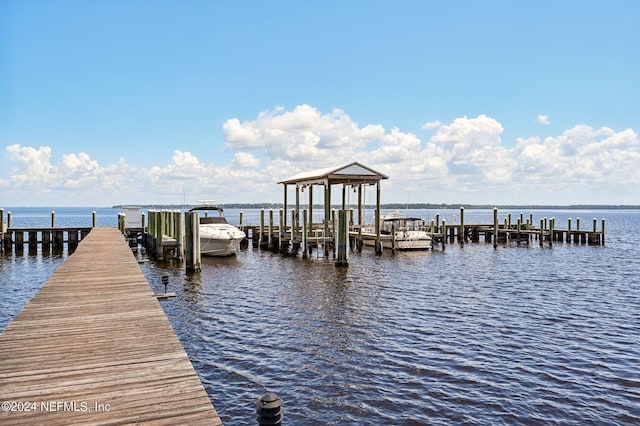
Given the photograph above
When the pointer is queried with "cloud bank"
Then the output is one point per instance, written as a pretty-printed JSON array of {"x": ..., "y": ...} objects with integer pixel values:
[{"x": 464, "y": 161}]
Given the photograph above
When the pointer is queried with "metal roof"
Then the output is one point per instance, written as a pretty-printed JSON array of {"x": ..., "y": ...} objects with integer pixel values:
[{"x": 352, "y": 173}]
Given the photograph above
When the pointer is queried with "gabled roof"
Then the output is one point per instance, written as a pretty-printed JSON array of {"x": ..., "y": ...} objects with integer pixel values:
[{"x": 352, "y": 173}]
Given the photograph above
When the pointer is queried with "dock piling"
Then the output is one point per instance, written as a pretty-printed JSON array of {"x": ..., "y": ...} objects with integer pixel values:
[
  {"x": 2, "y": 230},
  {"x": 193, "y": 259},
  {"x": 305, "y": 235},
  {"x": 343, "y": 238},
  {"x": 462, "y": 236},
  {"x": 495, "y": 227}
]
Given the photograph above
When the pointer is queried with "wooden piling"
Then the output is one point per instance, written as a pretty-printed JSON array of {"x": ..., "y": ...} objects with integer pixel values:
[
  {"x": 193, "y": 259},
  {"x": 261, "y": 236},
  {"x": 33, "y": 241},
  {"x": 393, "y": 238},
  {"x": 343, "y": 238},
  {"x": 179, "y": 236},
  {"x": 294, "y": 232},
  {"x": 72, "y": 238},
  {"x": 541, "y": 232},
  {"x": 334, "y": 235},
  {"x": 305, "y": 235},
  {"x": 594, "y": 235},
  {"x": 58, "y": 239},
  {"x": 444, "y": 234},
  {"x": 18, "y": 236},
  {"x": 160, "y": 225},
  {"x": 46, "y": 241},
  {"x": 495, "y": 227},
  {"x": 462, "y": 237},
  {"x": 2, "y": 230},
  {"x": 282, "y": 246},
  {"x": 270, "y": 236},
  {"x": 377, "y": 219}
]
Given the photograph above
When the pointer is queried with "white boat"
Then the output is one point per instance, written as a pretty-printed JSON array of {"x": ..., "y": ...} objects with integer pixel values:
[
  {"x": 217, "y": 236},
  {"x": 408, "y": 233}
]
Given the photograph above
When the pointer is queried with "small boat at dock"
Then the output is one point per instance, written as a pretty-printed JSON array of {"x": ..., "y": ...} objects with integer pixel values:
[
  {"x": 217, "y": 236},
  {"x": 405, "y": 232}
]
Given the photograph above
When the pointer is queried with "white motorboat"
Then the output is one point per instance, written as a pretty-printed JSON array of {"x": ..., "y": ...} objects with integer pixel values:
[
  {"x": 408, "y": 233},
  {"x": 217, "y": 236}
]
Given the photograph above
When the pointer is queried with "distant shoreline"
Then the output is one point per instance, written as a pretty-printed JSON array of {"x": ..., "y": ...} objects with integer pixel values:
[{"x": 414, "y": 206}]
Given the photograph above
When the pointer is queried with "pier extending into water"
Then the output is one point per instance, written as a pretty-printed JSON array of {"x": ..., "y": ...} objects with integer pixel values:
[
  {"x": 94, "y": 346},
  {"x": 271, "y": 234}
]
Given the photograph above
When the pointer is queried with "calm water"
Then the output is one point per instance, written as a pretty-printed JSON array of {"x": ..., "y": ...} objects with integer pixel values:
[{"x": 471, "y": 335}]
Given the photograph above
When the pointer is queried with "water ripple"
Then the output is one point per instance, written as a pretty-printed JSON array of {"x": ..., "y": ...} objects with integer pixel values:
[{"x": 469, "y": 336}]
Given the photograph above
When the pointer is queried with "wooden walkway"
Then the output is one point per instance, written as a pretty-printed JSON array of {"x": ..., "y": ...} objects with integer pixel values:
[{"x": 95, "y": 347}]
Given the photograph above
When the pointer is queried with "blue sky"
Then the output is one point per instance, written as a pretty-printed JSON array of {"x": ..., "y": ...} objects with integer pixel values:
[{"x": 114, "y": 102}]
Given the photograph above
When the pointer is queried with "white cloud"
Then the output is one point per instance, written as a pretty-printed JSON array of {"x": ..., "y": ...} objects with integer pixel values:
[
  {"x": 543, "y": 119},
  {"x": 245, "y": 160},
  {"x": 304, "y": 135},
  {"x": 34, "y": 169},
  {"x": 466, "y": 156},
  {"x": 430, "y": 125},
  {"x": 581, "y": 155},
  {"x": 79, "y": 170},
  {"x": 473, "y": 150},
  {"x": 467, "y": 132}
]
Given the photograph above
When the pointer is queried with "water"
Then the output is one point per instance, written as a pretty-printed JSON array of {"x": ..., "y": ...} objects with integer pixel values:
[{"x": 471, "y": 335}]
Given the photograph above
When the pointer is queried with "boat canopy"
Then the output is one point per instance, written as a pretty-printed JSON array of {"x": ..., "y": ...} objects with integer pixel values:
[
  {"x": 206, "y": 207},
  {"x": 352, "y": 173}
]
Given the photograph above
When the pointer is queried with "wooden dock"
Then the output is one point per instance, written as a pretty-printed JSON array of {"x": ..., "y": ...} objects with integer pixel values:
[
  {"x": 276, "y": 237},
  {"x": 47, "y": 238},
  {"x": 95, "y": 347}
]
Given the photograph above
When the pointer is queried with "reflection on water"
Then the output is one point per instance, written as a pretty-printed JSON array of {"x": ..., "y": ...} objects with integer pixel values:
[{"x": 22, "y": 274}]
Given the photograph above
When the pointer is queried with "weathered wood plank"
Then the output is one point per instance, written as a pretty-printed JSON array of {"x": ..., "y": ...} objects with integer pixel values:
[{"x": 95, "y": 347}]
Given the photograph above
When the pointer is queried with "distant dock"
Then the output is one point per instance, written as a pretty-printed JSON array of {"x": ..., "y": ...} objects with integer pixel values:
[{"x": 95, "y": 347}]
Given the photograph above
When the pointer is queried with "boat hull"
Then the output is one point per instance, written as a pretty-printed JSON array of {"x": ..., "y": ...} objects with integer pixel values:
[
  {"x": 219, "y": 247},
  {"x": 413, "y": 244},
  {"x": 405, "y": 243}
]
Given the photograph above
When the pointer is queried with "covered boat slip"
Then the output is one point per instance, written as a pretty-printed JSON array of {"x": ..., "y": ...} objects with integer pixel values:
[
  {"x": 353, "y": 175},
  {"x": 94, "y": 346}
]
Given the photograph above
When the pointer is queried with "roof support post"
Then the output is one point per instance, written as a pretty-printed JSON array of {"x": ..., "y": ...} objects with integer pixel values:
[
  {"x": 310, "y": 209},
  {"x": 296, "y": 224},
  {"x": 284, "y": 227},
  {"x": 377, "y": 219},
  {"x": 327, "y": 216},
  {"x": 360, "y": 215}
]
